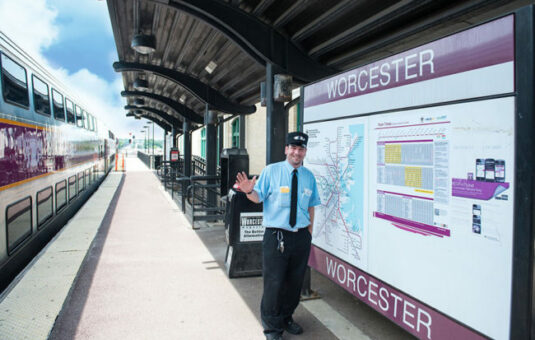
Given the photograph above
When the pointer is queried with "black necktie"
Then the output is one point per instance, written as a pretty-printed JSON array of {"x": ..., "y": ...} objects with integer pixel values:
[{"x": 293, "y": 202}]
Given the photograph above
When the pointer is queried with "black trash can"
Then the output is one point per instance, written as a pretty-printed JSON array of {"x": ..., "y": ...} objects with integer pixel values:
[
  {"x": 244, "y": 234},
  {"x": 157, "y": 161},
  {"x": 233, "y": 160}
]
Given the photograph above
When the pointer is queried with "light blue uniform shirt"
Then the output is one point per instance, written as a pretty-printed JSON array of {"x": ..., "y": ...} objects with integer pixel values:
[{"x": 273, "y": 188}]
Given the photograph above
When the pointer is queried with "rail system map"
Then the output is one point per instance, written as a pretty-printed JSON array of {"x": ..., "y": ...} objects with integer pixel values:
[{"x": 337, "y": 157}]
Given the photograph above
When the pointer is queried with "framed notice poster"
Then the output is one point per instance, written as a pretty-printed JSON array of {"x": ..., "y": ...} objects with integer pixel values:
[{"x": 417, "y": 163}]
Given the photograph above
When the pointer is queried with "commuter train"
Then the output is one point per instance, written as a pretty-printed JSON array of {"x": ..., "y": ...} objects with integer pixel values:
[{"x": 53, "y": 155}]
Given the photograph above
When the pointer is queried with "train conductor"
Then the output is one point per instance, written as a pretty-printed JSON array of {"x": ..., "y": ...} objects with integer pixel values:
[{"x": 289, "y": 193}]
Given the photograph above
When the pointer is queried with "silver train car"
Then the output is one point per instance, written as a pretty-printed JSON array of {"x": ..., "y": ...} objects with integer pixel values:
[{"x": 53, "y": 155}]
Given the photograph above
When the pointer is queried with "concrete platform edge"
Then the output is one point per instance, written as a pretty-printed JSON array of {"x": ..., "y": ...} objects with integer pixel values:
[{"x": 25, "y": 314}]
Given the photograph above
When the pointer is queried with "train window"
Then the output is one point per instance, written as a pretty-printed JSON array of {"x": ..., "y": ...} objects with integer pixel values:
[
  {"x": 14, "y": 82},
  {"x": 57, "y": 105},
  {"x": 45, "y": 209},
  {"x": 86, "y": 123},
  {"x": 79, "y": 116},
  {"x": 61, "y": 195},
  {"x": 69, "y": 106},
  {"x": 81, "y": 181},
  {"x": 72, "y": 187},
  {"x": 92, "y": 123},
  {"x": 18, "y": 223},
  {"x": 41, "y": 99}
]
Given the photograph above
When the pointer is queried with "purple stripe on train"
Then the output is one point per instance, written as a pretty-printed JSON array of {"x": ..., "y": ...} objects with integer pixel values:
[
  {"x": 486, "y": 45},
  {"x": 27, "y": 152}
]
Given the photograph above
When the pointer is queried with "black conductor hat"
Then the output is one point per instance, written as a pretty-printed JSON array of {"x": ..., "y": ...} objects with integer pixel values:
[{"x": 297, "y": 138}]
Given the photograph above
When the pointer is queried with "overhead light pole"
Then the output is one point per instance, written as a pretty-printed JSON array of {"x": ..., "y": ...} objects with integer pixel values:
[
  {"x": 145, "y": 147},
  {"x": 152, "y": 123},
  {"x": 143, "y": 131}
]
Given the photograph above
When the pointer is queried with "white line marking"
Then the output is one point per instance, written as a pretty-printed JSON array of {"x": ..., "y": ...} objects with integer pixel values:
[{"x": 334, "y": 321}]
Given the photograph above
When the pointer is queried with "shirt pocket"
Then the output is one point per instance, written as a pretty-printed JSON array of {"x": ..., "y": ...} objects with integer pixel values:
[
  {"x": 283, "y": 197},
  {"x": 304, "y": 198}
]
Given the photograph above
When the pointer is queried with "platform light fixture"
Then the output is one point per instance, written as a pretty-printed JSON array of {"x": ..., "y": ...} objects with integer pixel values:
[
  {"x": 141, "y": 84},
  {"x": 143, "y": 43},
  {"x": 210, "y": 67}
]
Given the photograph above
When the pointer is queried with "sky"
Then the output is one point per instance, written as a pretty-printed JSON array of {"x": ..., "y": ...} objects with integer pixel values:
[{"x": 74, "y": 40}]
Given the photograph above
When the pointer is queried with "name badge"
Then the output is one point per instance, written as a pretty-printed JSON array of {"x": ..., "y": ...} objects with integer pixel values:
[{"x": 285, "y": 190}]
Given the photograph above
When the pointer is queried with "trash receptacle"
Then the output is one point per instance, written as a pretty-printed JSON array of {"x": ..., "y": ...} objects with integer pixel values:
[
  {"x": 245, "y": 233},
  {"x": 233, "y": 160},
  {"x": 157, "y": 161}
]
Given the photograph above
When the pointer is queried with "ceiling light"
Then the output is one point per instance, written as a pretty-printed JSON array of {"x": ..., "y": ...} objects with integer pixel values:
[
  {"x": 210, "y": 67},
  {"x": 141, "y": 84},
  {"x": 143, "y": 43}
]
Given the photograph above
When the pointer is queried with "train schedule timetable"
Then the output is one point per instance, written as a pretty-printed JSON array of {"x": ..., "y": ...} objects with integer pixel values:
[{"x": 416, "y": 179}]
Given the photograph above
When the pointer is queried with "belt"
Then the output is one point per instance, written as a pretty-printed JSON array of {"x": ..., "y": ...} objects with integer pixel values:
[{"x": 290, "y": 231}]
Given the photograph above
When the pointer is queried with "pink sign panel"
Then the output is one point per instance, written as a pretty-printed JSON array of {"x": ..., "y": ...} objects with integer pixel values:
[
  {"x": 485, "y": 45},
  {"x": 412, "y": 315},
  {"x": 476, "y": 189}
]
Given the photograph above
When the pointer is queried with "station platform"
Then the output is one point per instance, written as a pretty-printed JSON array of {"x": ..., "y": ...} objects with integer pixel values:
[{"x": 128, "y": 265}]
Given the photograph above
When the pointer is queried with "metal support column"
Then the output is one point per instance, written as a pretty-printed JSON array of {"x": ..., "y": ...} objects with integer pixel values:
[
  {"x": 301, "y": 109},
  {"x": 164, "y": 145},
  {"x": 275, "y": 122},
  {"x": 220, "y": 136},
  {"x": 210, "y": 120},
  {"x": 186, "y": 127},
  {"x": 186, "y": 130},
  {"x": 242, "y": 132},
  {"x": 173, "y": 134}
]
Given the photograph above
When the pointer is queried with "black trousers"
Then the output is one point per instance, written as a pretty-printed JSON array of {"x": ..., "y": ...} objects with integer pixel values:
[{"x": 283, "y": 275}]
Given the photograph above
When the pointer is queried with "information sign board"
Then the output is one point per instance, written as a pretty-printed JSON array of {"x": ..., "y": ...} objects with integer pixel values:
[{"x": 414, "y": 160}]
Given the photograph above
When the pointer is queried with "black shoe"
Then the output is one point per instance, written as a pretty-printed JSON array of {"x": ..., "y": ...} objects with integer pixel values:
[
  {"x": 273, "y": 336},
  {"x": 293, "y": 327}
]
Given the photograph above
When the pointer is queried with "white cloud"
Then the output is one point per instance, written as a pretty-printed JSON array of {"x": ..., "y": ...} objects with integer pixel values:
[{"x": 32, "y": 25}]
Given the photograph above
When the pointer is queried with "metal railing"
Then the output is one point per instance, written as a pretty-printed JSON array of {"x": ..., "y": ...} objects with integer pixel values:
[
  {"x": 151, "y": 161},
  {"x": 201, "y": 192},
  {"x": 144, "y": 158},
  {"x": 203, "y": 196},
  {"x": 198, "y": 166}
]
